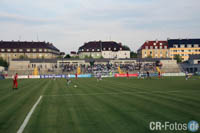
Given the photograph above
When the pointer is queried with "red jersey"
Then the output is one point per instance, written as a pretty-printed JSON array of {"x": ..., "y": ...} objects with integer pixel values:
[{"x": 15, "y": 78}]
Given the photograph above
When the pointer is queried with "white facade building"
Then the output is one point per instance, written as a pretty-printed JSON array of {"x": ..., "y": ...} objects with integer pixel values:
[{"x": 108, "y": 50}]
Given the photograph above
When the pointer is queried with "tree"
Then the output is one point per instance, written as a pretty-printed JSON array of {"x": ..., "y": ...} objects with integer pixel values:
[
  {"x": 178, "y": 58},
  {"x": 92, "y": 62},
  {"x": 133, "y": 54},
  {"x": 126, "y": 47},
  {"x": 67, "y": 56},
  {"x": 3, "y": 62}
]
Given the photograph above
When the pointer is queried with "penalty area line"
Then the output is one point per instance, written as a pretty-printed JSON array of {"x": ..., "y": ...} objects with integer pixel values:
[{"x": 22, "y": 127}]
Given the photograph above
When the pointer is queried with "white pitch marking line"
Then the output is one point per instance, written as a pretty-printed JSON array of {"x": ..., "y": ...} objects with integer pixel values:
[{"x": 21, "y": 129}]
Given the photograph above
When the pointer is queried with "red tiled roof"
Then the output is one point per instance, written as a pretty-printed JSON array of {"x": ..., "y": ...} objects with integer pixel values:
[{"x": 154, "y": 44}]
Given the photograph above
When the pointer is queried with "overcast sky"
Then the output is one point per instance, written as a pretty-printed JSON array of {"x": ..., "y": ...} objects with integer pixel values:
[{"x": 70, "y": 23}]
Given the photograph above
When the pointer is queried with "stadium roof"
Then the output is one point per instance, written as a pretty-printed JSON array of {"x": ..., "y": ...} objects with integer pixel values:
[
  {"x": 90, "y": 60},
  {"x": 38, "y": 60}
]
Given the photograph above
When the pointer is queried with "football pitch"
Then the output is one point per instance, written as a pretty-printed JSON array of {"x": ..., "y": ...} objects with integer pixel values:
[{"x": 113, "y": 105}]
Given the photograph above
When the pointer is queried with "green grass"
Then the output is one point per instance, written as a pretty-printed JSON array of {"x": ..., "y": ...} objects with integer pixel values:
[{"x": 113, "y": 105}]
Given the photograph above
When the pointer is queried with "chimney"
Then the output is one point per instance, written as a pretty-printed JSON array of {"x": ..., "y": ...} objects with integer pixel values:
[{"x": 156, "y": 40}]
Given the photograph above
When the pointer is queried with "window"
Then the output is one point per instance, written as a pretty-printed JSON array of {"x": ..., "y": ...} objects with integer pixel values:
[
  {"x": 175, "y": 46},
  {"x": 182, "y": 46},
  {"x": 151, "y": 47},
  {"x": 40, "y": 50},
  {"x": 109, "y": 48},
  {"x": 161, "y": 44},
  {"x": 196, "y": 46},
  {"x": 165, "y": 47},
  {"x": 28, "y": 50},
  {"x": 92, "y": 49},
  {"x": 115, "y": 48},
  {"x": 34, "y": 50},
  {"x": 2, "y": 50},
  {"x": 8, "y": 50},
  {"x": 98, "y": 49},
  {"x": 14, "y": 50},
  {"x": 182, "y": 50},
  {"x": 104, "y": 48},
  {"x": 45, "y": 50},
  {"x": 156, "y": 47},
  {"x": 189, "y": 45},
  {"x": 146, "y": 47},
  {"x": 82, "y": 49},
  {"x": 87, "y": 49},
  {"x": 160, "y": 47},
  {"x": 20, "y": 50}
]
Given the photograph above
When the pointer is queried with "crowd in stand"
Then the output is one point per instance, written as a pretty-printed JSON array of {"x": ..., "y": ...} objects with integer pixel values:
[{"x": 108, "y": 67}]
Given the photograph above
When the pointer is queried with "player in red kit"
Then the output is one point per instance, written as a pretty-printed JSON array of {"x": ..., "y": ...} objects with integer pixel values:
[
  {"x": 76, "y": 75},
  {"x": 127, "y": 74},
  {"x": 15, "y": 83}
]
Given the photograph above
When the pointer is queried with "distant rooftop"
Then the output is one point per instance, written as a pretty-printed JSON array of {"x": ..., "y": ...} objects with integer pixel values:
[
  {"x": 27, "y": 44},
  {"x": 97, "y": 46},
  {"x": 179, "y": 42}
]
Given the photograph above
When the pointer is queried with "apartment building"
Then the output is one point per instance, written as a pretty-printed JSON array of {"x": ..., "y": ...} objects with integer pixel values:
[{"x": 184, "y": 47}]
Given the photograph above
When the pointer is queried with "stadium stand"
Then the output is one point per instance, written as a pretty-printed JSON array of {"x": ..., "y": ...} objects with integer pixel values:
[{"x": 91, "y": 66}]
